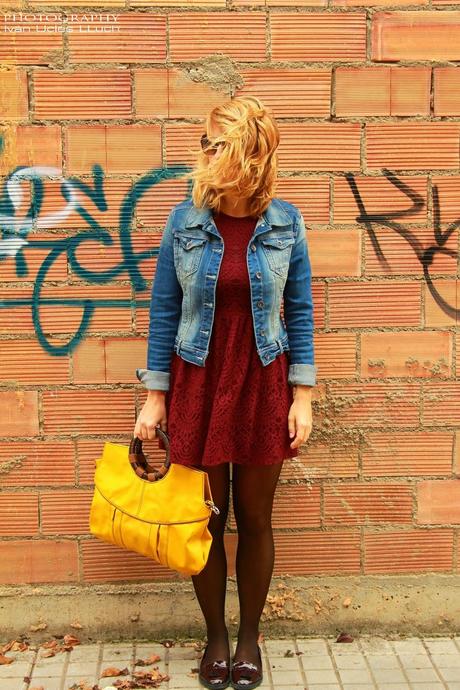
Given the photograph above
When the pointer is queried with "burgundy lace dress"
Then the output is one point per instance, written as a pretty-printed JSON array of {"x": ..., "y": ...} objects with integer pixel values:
[{"x": 233, "y": 409}]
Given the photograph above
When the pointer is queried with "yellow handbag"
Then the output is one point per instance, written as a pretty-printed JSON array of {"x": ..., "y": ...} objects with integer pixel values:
[{"x": 160, "y": 513}]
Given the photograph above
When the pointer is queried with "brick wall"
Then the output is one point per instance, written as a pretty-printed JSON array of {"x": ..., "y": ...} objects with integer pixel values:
[{"x": 368, "y": 107}]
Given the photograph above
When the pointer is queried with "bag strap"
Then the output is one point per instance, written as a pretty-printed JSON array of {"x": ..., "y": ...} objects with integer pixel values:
[{"x": 139, "y": 462}]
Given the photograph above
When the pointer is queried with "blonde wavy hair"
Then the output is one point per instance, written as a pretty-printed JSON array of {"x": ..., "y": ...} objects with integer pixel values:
[{"x": 248, "y": 162}]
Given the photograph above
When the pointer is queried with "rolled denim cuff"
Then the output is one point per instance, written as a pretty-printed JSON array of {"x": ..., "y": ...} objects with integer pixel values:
[
  {"x": 302, "y": 374},
  {"x": 154, "y": 380}
]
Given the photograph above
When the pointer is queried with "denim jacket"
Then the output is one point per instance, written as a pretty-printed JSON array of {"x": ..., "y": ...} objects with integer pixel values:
[{"x": 184, "y": 288}]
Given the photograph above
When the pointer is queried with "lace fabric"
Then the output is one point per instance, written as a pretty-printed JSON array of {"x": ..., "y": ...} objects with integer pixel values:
[{"x": 233, "y": 409}]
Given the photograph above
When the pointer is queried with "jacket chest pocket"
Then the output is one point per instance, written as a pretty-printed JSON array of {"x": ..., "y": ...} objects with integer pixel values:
[
  {"x": 187, "y": 253},
  {"x": 278, "y": 252}
]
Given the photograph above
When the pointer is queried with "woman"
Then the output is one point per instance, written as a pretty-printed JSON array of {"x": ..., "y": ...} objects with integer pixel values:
[{"x": 228, "y": 378}]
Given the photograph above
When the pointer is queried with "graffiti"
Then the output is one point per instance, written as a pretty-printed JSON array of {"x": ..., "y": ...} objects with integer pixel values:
[
  {"x": 424, "y": 255},
  {"x": 15, "y": 238}
]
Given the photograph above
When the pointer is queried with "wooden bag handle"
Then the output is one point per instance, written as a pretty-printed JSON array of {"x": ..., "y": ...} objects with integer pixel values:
[{"x": 139, "y": 462}]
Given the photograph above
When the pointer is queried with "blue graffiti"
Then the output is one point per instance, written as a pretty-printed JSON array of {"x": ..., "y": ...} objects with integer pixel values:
[{"x": 15, "y": 237}]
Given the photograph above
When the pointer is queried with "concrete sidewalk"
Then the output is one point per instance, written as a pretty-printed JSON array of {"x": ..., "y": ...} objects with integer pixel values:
[{"x": 366, "y": 663}]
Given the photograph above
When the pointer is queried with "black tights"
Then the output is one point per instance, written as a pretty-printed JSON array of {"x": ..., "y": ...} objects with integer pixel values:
[{"x": 253, "y": 490}]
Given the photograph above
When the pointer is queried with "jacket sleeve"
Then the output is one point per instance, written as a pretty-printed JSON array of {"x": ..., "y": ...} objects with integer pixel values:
[
  {"x": 165, "y": 312},
  {"x": 298, "y": 311}
]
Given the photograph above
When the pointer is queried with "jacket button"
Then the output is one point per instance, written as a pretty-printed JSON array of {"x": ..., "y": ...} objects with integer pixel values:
[
  {"x": 260, "y": 303},
  {"x": 262, "y": 332},
  {"x": 253, "y": 247},
  {"x": 258, "y": 274}
]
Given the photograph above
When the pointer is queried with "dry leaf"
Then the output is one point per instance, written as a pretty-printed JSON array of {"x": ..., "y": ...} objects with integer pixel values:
[
  {"x": 5, "y": 660},
  {"x": 344, "y": 637},
  {"x": 114, "y": 671},
  {"x": 71, "y": 639},
  {"x": 76, "y": 625},
  {"x": 48, "y": 652},
  {"x": 346, "y": 602},
  {"x": 83, "y": 685},
  {"x": 18, "y": 646},
  {"x": 152, "y": 659}
]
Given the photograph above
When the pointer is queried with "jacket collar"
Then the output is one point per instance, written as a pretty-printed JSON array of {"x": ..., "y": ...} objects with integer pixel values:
[{"x": 274, "y": 214}]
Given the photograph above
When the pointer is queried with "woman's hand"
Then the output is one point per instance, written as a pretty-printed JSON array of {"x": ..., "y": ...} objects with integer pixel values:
[
  {"x": 153, "y": 414},
  {"x": 300, "y": 416}
]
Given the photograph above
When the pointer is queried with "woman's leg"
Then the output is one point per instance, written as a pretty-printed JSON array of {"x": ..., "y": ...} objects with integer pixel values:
[
  {"x": 211, "y": 584},
  {"x": 253, "y": 490}
]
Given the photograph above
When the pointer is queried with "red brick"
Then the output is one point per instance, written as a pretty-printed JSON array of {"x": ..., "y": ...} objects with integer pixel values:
[
  {"x": 322, "y": 460},
  {"x": 88, "y": 450},
  {"x": 408, "y": 453},
  {"x": 402, "y": 258},
  {"x": 19, "y": 413},
  {"x": 388, "y": 303},
  {"x": 104, "y": 562},
  {"x": 25, "y": 361},
  {"x": 239, "y": 35},
  {"x": 310, "y": 194},
  {"x": 319, "y": 145},
  {"x": 379, "y": 197},
  {"x": 30, "y": 145},
  {"x": 367, "y": 502},
  {"x": 154, "y": 206},
  {"x": 412, "y": 145},
  {"x": 438, "y": 502},
  {"x": 82, "y": 94},
  {"x": 21, "y": 44},
  {"x": 183, "y": 143},
  {"x": 65, "y": 512},
  {"x": 88, "y": 411},
  {"x": 408, "y": 551},
  {"x": 311, "y": 553},
  {"x": 54, "y": 206},
  {"x": 446, "y": 91},
  {"x": 16, "y": 319},
  {"x": 440, "y": 403},
  {"x": 296, "y": 92},
  {"x": 140, "y": 37},
  {"x": 417, "y": 353},
  {"x": 34, "y": 561},
  {"x": 95, "y": 257},
  {"x": 318, "y": 36},
  {"x": 382, "y": 91},
  {"x": 335, "y": 355},
  {"x": 18, "y": 514},
  {"x": 88, "y": 361},
  {"x": 120, "y": 353},
  {"x": 447, "y": 190},
  {"x": 67, "y": 318},
  {"x": 33, "y": 463},
  {"x": 34, "y": 257},
  {"x": 335, "y": 252},
  {"x": 415, "y": 35},
  {"x": 441, "y": 300},
  {"x": 375, "y": 404},
  {"x": 118, "y": 148},
  {"x": 13, "y": 95}
]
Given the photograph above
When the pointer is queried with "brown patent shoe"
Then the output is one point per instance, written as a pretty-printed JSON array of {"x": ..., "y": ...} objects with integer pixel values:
[
  {"x": 246, "y": 675},
  {"x": 214, "y": 674}
]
